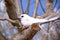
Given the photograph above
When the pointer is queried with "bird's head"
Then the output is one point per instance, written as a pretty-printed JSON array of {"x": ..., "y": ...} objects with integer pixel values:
[{"x": 23, "y": 17}]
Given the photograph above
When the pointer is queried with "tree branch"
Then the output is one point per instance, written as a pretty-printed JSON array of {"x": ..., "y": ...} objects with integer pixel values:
[
  {"x": 21, "y": 6},
  {"x": 17, "y": 23},
  {"x": 49, "y": 9},
  {"x": 35, "y": 9},
  {"x": 11, "y": 9},
  {"x": 49, "y": 6},
  {"x": 27, "y": 8},
  {"x": 41, "y": 6},
  {"x": 7, "y": 20},
  {"x": 28, "y": 33},
  {"x": 18, "y": 10},
  {"x": 55, "y": 3}
]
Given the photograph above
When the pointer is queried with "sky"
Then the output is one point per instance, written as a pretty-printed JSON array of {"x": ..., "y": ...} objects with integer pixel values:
[
  {"x": 32, "y": 5},
  {"x": 39, "y": 11}
]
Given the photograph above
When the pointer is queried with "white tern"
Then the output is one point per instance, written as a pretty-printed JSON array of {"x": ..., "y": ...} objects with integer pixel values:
[{"x": 26, "y": 20}]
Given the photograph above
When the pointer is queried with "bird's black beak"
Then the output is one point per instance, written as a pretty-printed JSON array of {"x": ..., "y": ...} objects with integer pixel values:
[{"x": 19, "y": 19}]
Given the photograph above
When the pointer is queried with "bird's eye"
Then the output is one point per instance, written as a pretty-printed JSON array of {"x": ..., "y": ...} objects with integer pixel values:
[{"x": 22, "y": 16}]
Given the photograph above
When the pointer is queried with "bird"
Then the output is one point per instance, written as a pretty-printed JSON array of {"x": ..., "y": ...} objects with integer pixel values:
[{"x": 27, "y": 20}]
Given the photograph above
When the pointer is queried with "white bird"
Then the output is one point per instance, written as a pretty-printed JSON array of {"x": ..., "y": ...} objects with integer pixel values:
[{"x": 26, "y": 20}]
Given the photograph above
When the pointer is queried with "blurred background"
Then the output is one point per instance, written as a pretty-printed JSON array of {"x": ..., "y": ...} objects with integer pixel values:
[{"x": 35, "y": 8}]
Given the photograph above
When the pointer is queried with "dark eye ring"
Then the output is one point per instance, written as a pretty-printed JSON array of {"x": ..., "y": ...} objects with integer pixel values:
[{"x": 22, "y": 16}]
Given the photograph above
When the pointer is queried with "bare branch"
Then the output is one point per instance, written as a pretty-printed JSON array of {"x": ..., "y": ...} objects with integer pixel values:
[
  {"x": 11, "y": 9},
  {"x": 35, "y": 9},
  {"x": 17, "y": 8},
  {"x": 49, "y": 9},
  {"x": 15, "y": 22},
  {"x": 58, "y": 9},
  {"x": 55, "y": 3},
  {"x": 7, "y": 20},
  {"x": 43, "y": 16},
  {"x": 27, "y": 8},
  {"x": 49, "y": 6},
  {"x": 41, "y": 6},
  {"x": 21, "y": 6}
]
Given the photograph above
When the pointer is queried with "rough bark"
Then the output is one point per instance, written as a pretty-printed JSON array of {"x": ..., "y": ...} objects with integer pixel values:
[
  {"x": 11, "y": 9},
  {"x": 18, "y": 10}
]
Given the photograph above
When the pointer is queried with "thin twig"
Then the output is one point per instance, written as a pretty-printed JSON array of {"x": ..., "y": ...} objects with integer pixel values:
[
  {"x": 55, "y": 3},
  {"x": 35, "y": 9},
  {"x": 41, "y": 6},
  {"x": 21, "y": 6},
  {"x": 27, "y": 8}
]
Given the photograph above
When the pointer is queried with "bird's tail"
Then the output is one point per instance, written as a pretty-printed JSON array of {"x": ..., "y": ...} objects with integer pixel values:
[
  {"x": 54, "y": 18},
  {"x": 50, "y": 20}
]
